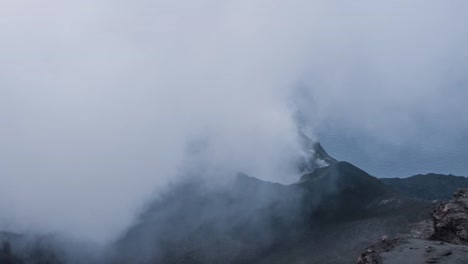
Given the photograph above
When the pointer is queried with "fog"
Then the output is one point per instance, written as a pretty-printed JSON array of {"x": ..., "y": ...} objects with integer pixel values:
[{"x": 104, "y": 103}]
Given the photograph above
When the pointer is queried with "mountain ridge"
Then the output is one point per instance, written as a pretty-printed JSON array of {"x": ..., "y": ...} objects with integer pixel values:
[{"x": 431, "y": 186}]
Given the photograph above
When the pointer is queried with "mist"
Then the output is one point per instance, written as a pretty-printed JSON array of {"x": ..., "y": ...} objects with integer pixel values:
[{"x": 105, "y": 103}]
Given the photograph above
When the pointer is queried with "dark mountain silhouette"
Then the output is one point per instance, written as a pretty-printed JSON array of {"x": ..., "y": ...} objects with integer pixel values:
[
  {"x": 429, "y": 186},
  {"x": 26, "y": 249}
]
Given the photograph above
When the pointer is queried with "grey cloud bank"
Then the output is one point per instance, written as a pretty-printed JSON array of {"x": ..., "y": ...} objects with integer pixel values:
[{"x": 102, "y": 103}]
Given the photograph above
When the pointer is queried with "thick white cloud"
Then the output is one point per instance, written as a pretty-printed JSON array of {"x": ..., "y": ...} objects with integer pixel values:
[{"x": 100, "y": 100}]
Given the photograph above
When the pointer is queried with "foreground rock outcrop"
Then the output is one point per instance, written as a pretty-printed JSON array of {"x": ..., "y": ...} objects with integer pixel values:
[
  {"x": 451, "y": 219},
  {"x": 447, "y": 243}
]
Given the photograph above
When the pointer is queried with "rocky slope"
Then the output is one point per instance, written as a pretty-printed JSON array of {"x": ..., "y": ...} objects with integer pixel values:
[
  {"x": 357, "y": 209},
  {"x": 446, "y": 243},
  {"x": 337, "y": 207}
]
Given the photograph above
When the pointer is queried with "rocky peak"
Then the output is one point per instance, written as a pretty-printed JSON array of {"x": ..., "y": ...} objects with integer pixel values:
[{"x": 315, "y": 155}]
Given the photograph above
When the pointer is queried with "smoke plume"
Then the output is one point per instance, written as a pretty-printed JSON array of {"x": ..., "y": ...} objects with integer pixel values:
[{"x": 103, "y": 103}]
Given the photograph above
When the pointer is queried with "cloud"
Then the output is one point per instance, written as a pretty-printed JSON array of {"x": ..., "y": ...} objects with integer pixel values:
[{"x": 101, "y": 101}]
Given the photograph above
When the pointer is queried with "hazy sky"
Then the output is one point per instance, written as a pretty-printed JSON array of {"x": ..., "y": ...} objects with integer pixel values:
[{"x": 104, "y": 102}]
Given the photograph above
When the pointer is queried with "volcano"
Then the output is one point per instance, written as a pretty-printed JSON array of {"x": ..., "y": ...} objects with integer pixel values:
[
  {"x": 336, "y": 207},
  {"x": 329, "y": 215}
]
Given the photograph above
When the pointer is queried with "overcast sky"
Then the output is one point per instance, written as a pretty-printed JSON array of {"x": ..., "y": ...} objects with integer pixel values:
[{"x": 104, "y": 102}]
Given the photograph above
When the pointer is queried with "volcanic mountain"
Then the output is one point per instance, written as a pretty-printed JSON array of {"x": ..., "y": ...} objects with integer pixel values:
[
  {"x": 328, "y": 216},
  {"x": 338, "y": 207}
]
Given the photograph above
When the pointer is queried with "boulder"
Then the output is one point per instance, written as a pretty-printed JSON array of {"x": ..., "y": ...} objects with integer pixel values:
[{"x": 450, "y": 219}]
